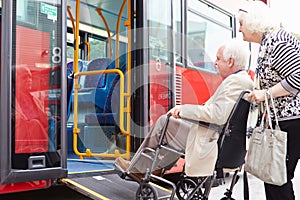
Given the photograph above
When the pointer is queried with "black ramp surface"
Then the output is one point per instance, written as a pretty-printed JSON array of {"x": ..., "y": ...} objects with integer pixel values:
[{"x": 112, "y": 187}]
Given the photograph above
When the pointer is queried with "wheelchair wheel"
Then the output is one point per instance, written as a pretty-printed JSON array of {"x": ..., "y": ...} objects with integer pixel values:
[
  {"x": 185, "y": 187},
  {"x": 146, "y": 191}
]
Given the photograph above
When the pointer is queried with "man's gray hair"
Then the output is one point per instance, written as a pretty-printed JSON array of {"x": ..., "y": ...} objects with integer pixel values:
[
  {"x": 257, "y": 17},
  {"x": 239, "y": 51}
]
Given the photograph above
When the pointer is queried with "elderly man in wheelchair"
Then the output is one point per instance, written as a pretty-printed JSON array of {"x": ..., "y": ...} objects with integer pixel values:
[{"x": 192, "y": 131}]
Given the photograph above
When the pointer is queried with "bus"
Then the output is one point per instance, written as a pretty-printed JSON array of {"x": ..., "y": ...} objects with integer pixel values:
[{"x": 83, "y": 82}]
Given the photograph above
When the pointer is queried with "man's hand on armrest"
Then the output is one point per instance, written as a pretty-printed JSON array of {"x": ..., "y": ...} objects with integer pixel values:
[{"x": 175, "y": 112}]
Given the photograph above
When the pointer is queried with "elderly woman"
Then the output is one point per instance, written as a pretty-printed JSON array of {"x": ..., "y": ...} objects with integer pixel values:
[{"x": 278, "y": 72}]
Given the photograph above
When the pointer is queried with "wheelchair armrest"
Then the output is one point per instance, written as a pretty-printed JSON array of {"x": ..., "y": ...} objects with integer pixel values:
[{"x": 216, "y": 127}]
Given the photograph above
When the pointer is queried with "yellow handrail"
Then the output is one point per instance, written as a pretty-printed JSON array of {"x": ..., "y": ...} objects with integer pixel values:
[
  {"x": 88, "y": 152},
  {"x": 88, "y": 49},
  {"x": 71, "y": 18},
  {"x": 127, "y": 95},
  {"x": 118, "y": 33},
  {"x": 128, "y": 24},
  {"x": 77, "y": 74},
  {"x": 107, "y": 30}
]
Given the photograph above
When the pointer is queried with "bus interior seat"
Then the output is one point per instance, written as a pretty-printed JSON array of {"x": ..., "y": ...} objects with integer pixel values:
[
  {"x": 91, "y": 83},
  {"x": 93, "y": 109},
  {"x": 96, "y": 80},
  {"x": 104, "y": 113},
  {"x": 114, "y": 80}
]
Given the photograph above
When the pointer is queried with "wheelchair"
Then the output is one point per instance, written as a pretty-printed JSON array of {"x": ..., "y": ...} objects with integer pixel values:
[
  {"x": 231, "y": 154},
  {"x": 232, "y": 151}
]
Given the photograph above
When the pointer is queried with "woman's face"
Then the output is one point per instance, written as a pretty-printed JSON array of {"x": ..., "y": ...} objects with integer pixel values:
[{"x": 247, "y": 35}]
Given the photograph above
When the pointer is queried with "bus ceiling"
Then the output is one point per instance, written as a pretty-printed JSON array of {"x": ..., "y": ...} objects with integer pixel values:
[{"x": 109, "y": 9}]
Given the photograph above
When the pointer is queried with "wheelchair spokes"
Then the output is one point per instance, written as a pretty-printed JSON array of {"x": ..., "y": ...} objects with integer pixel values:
[
  {"x": 146, "y": 192},
  {"x": 185, "y": 187}
]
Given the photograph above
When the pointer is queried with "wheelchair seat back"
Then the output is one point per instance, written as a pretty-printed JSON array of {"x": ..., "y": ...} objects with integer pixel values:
[{"x": 232, "y": 141}]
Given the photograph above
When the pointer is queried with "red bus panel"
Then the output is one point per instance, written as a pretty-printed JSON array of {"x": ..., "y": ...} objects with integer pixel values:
[
  {"x": 32, "y": 85},
  {"x": 19, "y": 187}
]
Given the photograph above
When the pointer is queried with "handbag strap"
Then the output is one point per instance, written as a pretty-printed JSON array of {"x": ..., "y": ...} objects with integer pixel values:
[
  {"x": 263, "y": 116},
  {"x": 274, "y": 108},
  {"x": 269, "y": 111},
  {"x": 257, "y": 87}
]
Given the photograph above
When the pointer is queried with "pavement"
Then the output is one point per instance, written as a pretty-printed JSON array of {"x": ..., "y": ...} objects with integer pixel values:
[{"x": 256, "y": 188}]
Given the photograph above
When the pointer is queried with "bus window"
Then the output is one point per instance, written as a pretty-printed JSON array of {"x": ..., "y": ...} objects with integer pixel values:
[
  {"x": 203, "y": 37},
  {"x": 27, "y": 12},
  {"x": 70, "y": 48},
  {"x": 160, "y": 26},
  {"x": 178, "y": 30},
  {"x": 37, "y": 53},
  {"x": 160, "y": 40},
  {"x": 97, "y": 48}
]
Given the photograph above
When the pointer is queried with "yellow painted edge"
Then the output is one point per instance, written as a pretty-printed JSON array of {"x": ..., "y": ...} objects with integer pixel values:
[
  {"x": 162, "y": 188},
  {"x": 66, "y": 180},
  {"x": 90, "y": 171}
]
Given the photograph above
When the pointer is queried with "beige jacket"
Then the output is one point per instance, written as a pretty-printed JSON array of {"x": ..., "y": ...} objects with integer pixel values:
[{"x": 201, "y": 147}]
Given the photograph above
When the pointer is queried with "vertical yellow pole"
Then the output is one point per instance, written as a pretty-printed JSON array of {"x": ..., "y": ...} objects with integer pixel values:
[
  {"x": 76, "y": 50},
  {"x": 128, "y": 24}
]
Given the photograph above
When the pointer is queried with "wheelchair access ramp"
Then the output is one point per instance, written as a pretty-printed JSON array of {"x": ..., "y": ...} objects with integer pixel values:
[{"x": 110, "y": 187}]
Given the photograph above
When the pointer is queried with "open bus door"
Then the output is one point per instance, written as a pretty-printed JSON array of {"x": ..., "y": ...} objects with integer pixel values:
[{"x": 32, "y": 137}]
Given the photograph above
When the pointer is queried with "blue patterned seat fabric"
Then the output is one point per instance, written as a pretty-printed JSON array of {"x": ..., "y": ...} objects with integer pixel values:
[
  {"x": 96, "y": 80},
  {"x": 106, "y": 115}
]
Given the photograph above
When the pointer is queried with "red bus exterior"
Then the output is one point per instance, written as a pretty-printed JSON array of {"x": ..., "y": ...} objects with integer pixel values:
[{"x": 33, "y": 34}]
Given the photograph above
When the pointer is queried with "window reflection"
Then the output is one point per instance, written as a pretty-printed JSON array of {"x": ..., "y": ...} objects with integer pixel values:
[
  {"x": 160, "y": 40},
  {"x": 31, "y": 118},
  {"x": 178, "y": 30},
  {"x": 203, "y": 37},
  {"x": 159, "y": 30},
  {"x": 37, "y": 76}
]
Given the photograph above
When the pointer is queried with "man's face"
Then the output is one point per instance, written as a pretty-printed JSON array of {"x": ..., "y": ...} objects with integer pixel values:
[
  {"x": 28, "y": 81},
  {"x": 25, "y": 75},
  {"x": 222, "y": 65}
]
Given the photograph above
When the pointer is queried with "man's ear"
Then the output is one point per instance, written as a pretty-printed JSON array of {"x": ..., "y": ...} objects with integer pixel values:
[{"x": 231, "y": 62}]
